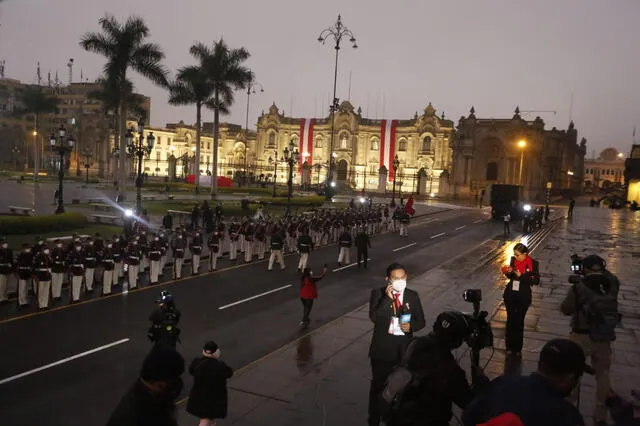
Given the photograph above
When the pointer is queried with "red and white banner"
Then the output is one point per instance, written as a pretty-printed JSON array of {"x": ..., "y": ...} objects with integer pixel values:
[
  {"x": 306, "y": 142},
  {"x": 388, "y": 145}
]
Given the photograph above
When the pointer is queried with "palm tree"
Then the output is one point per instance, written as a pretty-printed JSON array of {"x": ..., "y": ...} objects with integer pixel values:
[
  {"x": 35, "y": 101},
  {"x": 192, "y": 86},
  {"x": 226, "y": 72},
  {"x": 125, "y": 47}
]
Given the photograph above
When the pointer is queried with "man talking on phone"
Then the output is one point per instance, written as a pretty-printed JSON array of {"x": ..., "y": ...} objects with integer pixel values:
[{"x": 396, "y": 313}]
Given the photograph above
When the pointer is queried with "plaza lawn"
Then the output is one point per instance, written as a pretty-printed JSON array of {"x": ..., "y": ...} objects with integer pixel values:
[{"x": 16, "y": 241}]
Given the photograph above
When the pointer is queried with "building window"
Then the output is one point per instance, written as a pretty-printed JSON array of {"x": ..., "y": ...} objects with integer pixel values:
[
  {"x": 318, "y": 142},
  {"x": 426, "y": 143},
  {"x": 168, "y": 141},
  {"x": 158, "y": 156},
  {"x": 344, "y": 141},
  {"x": 159, "y": 140},
  {"x": 272, "y": 140},
  {"x": 375, "y": 145},
  {"x": 208, "y": 145},
  {"x": 402, "y": 146}
]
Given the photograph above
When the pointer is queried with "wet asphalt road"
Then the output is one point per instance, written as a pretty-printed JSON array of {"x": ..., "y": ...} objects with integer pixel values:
[{"x": 85, "y": 389}]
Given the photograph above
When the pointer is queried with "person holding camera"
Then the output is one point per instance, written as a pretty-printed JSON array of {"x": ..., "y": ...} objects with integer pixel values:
[
  {"x": 523, "y": 273},
  {"x": 164, "y": 321},
  {"x": 437, "y": 381},
  {"x": 309, "y": 292},
  {"x": 396, "y": 313},
  {"x": 535, "y": 400},
  {"x": 592, "y": 302}
]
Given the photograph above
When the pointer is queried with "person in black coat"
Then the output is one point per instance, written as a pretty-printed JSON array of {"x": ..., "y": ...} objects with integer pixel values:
[
  {"x": 208, "y": 398},
  {"x": 396, "y": 312},
  {"x": 523, "y": 273}
]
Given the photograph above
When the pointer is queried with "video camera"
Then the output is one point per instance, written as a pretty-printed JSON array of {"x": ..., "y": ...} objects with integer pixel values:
[{"x": 480, "y": 334}]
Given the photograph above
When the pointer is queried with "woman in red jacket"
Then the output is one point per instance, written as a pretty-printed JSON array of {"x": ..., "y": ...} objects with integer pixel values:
[{"x": 308, "y": 293}]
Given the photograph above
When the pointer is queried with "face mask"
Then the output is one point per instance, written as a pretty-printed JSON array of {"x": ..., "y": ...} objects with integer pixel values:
[
  {"x": 78, "y": 248},
  {"x": 135, "y": 243},
  {"x": 399, "y": 285},
  {"x": 197, "y": 234},
  {"x": 137, "y": 238},
  {"x": 46, "y": 251},
  {"x": 311, "y": 273},
  {"x": 58, "y": 245},
  {"x": 157, "y": 239},
  {"x": 41, "y": 242},
  {"x": 91, "y": 243},
  {"x": 5, "y": 245},
  {"x": 27, "y": 250},
  {"x": 109, "y": 246},
  {"x": 179, "y": 237}
]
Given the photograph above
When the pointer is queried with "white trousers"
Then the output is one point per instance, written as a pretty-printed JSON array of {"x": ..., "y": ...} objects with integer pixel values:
[
  {"x": 248, "y": 251},
  {"x": 56, "y": 284},
  {"x": 163, "y": 262},
  {"x": 403, "y": 229},
  {"x": 233, "y": 249},
  {"x": 4, "y": 279},
  {"x": 119, "y": 272},
  {"x": 88, "y": 278},
  {"x": 154, "y": 271},
  {"x": 304, "y": 258},
  {"x": 177, "y": 267},
  {"x": 108, "y": 277},
  {"x": 43, "y": 294},
  {"x": 276, "y": 255},
  {"x": 261, "y": 248},
  {"x": 76, "y": 285},
  {"x": 213, "y": 261},
  {"x": 23, "y": 292},
  {"x": 345, "y": 255},
  {"x": 133, "y": 275},
  {"x": 195, "y": 263}
]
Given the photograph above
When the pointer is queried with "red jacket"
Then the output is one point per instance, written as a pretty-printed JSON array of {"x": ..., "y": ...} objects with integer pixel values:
[{"x": 308, "y": 289}]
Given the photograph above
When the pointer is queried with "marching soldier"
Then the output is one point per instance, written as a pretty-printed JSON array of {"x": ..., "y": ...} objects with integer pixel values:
[
  {"x": 214, "y": 246},
  {"x": 222, "y": 229},
  {"x": 196, "y": 250},
  {"x": 260, "y": 238},
  {"x": 90, "y": 263},
  {"x": 24, "y": 263},
  {"x": 404, "y": 223},
  {"x": 143, "y": 245},
  {"x": 234, "y": 236},
  {"x": 164, "y": 246},
  {"x": 305, "y": 245},
  {"x": 75, "y": 260},
  {"x": 57, "y": 269},
  {"x": 42, "y": 268},
  {"x": 109, "y": 276},
  {"x": 178, "y": 247},
  {"x": 277, "y": 242},
  {"x": 6, "y": 268},
  {"x": 117, "y": 251},
  {"x": 345, "y": 248},
  {"x": 133, "y": 259},
  {"x": 155, "y": 256},
  {"x": 248, "y": 242}
]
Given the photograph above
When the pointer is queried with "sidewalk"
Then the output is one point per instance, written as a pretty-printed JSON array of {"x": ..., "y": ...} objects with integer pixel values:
[{"x": 323, "y": 377}]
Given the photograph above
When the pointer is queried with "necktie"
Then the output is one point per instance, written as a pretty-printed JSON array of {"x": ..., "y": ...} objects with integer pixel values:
[{"x": 396, "y": 302}]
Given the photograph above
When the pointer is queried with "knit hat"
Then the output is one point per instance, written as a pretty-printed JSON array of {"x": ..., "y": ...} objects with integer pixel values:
[
  {"x": 594, "y": 263},
  {"x": 563, "y": 356},
  {"x": 163, "y": 363},
  {"x": 210, "y": 347}
]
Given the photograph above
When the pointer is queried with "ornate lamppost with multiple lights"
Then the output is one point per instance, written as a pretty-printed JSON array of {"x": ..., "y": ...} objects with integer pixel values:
[
  {"x": 251, "y": 89},
  {"x": 335, "y": 32},
  {"x": 88, "y": 162},
  {"x": 396, "y": 164},
  {"x": 290, "y": 157},
  {"x": 62, "y": 145},
  {"x": 274, "y": 161},
  {"x": 139, "y": 149}
]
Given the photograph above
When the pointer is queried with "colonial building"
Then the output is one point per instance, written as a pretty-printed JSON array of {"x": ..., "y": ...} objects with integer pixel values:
[
  {"x": 515, "y": 151},
  {"x": 364, "y": 149},
  {"x": 632, "y": 174},
  {"x": 603, "y": 171}
]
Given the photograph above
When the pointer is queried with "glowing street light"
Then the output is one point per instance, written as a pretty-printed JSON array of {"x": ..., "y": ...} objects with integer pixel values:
[{"x": 522, "y": 144}]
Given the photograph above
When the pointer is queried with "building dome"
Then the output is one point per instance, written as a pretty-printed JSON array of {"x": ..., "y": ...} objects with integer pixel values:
[{"x": 609, "y": 154}]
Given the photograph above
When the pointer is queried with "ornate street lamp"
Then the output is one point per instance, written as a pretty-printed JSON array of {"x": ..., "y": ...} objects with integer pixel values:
[
  {"x": 290, "y": 156},
  {"x": 396, "y": 164},
  {"x": 274, "y": 161},
  {"x": 336, "y": 32},
  {"x": 62, "y": 147},
  {"x": 251, "y": 89},
  {"x": 140, "y": 150},
  {"x": 87, "y": 164}
]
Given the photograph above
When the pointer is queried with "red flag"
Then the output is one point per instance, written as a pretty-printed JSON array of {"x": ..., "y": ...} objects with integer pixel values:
[{"x": 409, "y": 206}]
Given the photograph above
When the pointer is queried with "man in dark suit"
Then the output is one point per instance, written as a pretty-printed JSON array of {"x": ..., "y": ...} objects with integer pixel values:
[{"x": 396, "y": 313}]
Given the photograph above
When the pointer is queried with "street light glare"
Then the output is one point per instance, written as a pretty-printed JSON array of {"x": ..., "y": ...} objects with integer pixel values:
[
  {"x": 522, "y": 143},
  {"x": 128, "y": 212}
]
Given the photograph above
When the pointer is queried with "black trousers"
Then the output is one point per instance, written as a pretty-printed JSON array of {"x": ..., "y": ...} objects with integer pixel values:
[
  {"x": 380, "y": 370},
  {"x": 307, "y": 304},
  {"x": 362, "y": 257},
  {"x": 514, "y": 333},
  {"x": 507, "y": 230}
]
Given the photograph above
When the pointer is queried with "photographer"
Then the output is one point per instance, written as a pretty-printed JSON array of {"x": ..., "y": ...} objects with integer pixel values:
[
  {"x": 437, "y": 379},
  {"x": 523, "y": 274},
  {"x": 537, "y": 399},
  {"x": 592, "y": 303},
  {"x": 164, "y": 321}
]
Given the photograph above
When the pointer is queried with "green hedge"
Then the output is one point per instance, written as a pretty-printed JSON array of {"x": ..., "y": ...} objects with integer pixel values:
[
  {"x": 295, "y": 201},
  {"x": 17, "y": 225}
]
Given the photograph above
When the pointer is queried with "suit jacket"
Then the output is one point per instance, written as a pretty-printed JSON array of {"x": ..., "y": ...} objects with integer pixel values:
[{"x": 385, "y": 346}]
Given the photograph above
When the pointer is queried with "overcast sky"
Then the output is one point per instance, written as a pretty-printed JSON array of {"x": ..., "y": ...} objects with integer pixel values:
[{"x": 493, "y": 54}]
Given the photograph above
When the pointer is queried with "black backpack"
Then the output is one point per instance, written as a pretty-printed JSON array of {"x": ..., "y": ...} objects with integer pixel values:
[{"x": 601, "y": 311}]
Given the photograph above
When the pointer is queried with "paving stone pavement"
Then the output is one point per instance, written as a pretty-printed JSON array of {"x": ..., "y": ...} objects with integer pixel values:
[{"x": 323, "y": 378}]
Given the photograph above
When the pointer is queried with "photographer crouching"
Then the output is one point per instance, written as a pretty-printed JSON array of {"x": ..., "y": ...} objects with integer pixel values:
[
  {"x": 428, "y": 381},
  {"x": 164, "y": 321}
]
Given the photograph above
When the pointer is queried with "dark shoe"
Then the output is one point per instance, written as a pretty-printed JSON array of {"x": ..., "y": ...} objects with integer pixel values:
[{"x": 57, "y": 298}]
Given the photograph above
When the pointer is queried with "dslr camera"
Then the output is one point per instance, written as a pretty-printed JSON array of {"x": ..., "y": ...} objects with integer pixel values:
[{"x": 481, "y": 335}]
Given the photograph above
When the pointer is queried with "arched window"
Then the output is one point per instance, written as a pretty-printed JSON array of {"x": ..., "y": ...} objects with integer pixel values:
[
  {"x": 375, "y": 145},
  {"x": 426, "y": 143},
  {"x": 272, "y": 140},
  {"x": 402, "y": 146},
  {"x": 344, "y": 141},
  {"x": 318, "y": 142}
]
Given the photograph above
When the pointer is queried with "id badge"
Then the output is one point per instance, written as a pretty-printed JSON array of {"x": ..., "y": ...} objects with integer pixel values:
[
  {"x": 394, "y": 327},
  {"x": 515, "y": 286}
]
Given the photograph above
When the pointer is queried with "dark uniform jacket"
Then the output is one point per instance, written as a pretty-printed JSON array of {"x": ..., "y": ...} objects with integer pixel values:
[
  {"x": 196, "y": 244},
  {"x": 24, "y": 265},
  {"x": 208, "y": 397},
  {"x": 305, "y": 244},
  {"x": 345, "y": 239},
  {"x": 178, "y": 248},
  {"x": 277, "y": 242},
  {"x": 6, "y": 261},
  {"x": 363, "y": 242},
  {"x": 57, "y": 257},
  {"x": 90, "y": 257},
  {"x": 155, "y": 250},
  {"x": 75, "y": 260},
  {"x": 213, "y": 243},
  {"x": 42, "y": 266},
  {"x": 108, "y": 259},
  {"x": 133, "y": 255}
]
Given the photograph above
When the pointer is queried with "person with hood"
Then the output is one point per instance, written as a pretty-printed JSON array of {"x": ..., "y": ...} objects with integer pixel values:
[
  {"x": 151, "y": 399},
  {"x": 592, "y": 303},
  {"x": 208, "y": 399}
]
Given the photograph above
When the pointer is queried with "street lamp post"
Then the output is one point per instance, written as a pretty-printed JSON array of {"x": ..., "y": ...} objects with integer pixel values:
[
  {"x": 87, "y": 164},
  {"x": 274, "y": 161},
  {"x": 290, "y": 156},
  {"x": 251, "y": 89},
  {"x": 522, "y": 145},
  {"x": 318, "y": 167},
  {"x": 396, "y": 164},
  {"x": 336, "y": 32},
  {"x": 61, "y": 146},
  {"x": 139, "y": 149}
]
